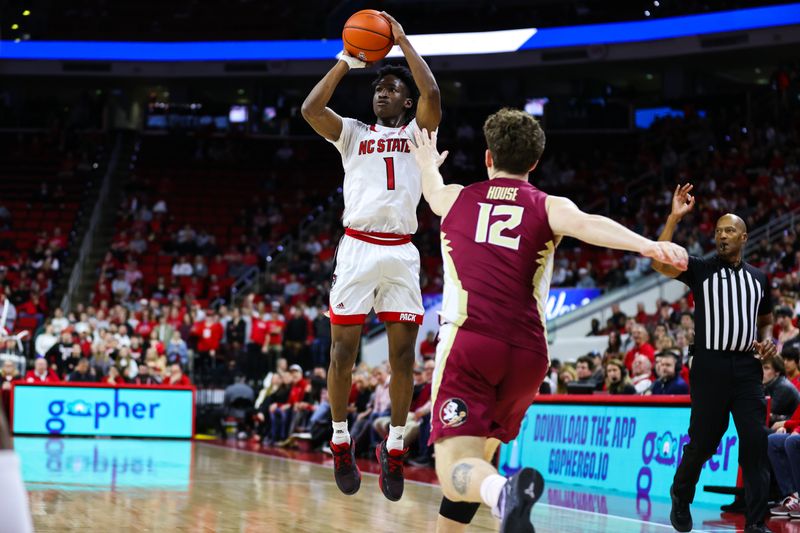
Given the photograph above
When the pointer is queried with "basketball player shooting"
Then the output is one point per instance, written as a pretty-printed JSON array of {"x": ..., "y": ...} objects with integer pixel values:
[
  {"x": 376, "y": 264},
  {"x": 498, "y": 241}
]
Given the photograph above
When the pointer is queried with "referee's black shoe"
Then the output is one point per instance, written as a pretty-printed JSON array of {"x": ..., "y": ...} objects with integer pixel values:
[
  {"x": 680, "y": 516},
  {"x": 757, "y": 528}
]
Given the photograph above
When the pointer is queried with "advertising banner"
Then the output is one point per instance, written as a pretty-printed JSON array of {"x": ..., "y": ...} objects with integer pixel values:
[
  {"x": 91, "y": 464},
  {"x": 632, "y": 449},
  {"x": 106, "y": 411}
]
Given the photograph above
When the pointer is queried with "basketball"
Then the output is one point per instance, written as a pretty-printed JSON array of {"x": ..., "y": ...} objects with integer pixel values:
[{"x": 367, "y": 36}]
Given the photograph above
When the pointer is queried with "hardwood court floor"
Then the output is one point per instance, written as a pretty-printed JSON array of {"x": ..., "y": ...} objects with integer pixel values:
[{"x": 116, "y": 486}]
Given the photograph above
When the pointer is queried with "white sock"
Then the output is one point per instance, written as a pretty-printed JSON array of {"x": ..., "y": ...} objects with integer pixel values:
[
  {"x": 14, "y": 504},
  {"x": 395, "y": 440},
  {"x": 340, "y": 433},
  {"x": 491, "y": 487}
]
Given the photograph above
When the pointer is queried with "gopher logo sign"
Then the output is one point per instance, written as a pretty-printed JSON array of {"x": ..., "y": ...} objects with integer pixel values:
[{"x": 453, "y": 413}]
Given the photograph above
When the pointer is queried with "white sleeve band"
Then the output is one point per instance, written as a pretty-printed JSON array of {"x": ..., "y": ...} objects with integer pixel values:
[
  {"x": 351, "y": 61},
  {"x": 14, "y": 508}
]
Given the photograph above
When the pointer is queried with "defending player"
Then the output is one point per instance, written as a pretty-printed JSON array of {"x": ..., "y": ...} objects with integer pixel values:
[
  {"x": 376, "y": 264},
  {"x": 498, "y": 240}
]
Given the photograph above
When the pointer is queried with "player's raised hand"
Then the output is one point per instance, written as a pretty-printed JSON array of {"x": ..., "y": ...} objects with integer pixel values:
[
  {"x": 425, "y": 151},
  {"x": 668, "y": 253},
  {"x": 397, "y": 30},
  {"x": 682, "y": 201}
]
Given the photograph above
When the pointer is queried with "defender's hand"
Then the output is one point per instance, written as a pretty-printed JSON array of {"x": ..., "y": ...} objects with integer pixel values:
[
  {"x": 425, "y": 151},
  {"x": 668, "y": 253}
]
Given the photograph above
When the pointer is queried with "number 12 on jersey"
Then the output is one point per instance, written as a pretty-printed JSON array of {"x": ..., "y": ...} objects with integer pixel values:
[{"x": 493, "y": 233}]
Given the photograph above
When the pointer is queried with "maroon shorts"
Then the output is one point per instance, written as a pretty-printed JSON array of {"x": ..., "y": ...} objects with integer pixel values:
[{"x": 482, "y": 386}]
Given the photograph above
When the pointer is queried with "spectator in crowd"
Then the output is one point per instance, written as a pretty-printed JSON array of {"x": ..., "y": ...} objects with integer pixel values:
[
  {"x": 83, "y": 373},
  {"x": 209, "y": 333},
  {"x": 321, "y": 345},
  {"x": 177, "y": 350},
  {"x": 59, "y": 321},
  {"x": 427, "y": 348},
  {"x": 238, "y": 404},
  {"x": 126, "y": 364},
  {"x": 8, "y": 374},
  {"x": 421, "y": 410},
  {"x": 114, "y": 377},
  {"x": 45, "y": 340},
  {"x": 566, "y": 375},
  {"x": 584, "y": 369},
  {"x": 617, "y": 380},
  {"x": 785, "y": 398},
  {"x": 363, "y": 434},
  {"x": 120, "y": 287},
  {"x": 60, "y": 353},
  {"x": 235, "y": 331},
  {"x": 791, "y": 360},
  {"x": 144, "y": 377},
  {"x": 784, "y": 456},
  {"x": 420, "y": 399},
  {"x": 275, "y": 394},
  {"x": 786, "y": 330},
  {"x": 41, "y": 373},
  {"x": 281, "y": 414},
  {"x": 176, "y": 376},
  {"x": 669, "y": 380},
  {"x": 642, "y": 374},
  {"x": 641, "y": 346},
  {"x": 552, "y": 374},
  {"x": 11, "y": 311},
  {"x": 182, "y": 268},
  {"x": 296, "y": 335}
]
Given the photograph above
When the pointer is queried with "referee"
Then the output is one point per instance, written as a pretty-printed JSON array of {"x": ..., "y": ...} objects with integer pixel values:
[{"x": 733, "y": 310}]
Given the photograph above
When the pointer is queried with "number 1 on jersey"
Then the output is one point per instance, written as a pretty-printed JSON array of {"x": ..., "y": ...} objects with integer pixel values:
[
  {"x": 492, "y": 233},
  {"x": 389, "y": 172}
]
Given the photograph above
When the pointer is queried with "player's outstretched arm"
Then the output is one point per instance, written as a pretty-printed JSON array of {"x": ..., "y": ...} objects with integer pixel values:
[
  {"x": 429, "y": 107},
  {"x": 439, "y": 196},
  {"x": 682, "y": 203},
  {"x": 315, "y": 107},
  {"x": 566, "y": 219}
]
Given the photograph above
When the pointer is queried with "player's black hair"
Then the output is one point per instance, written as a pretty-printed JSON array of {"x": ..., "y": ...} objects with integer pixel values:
[{"x": 403, "y": 74}]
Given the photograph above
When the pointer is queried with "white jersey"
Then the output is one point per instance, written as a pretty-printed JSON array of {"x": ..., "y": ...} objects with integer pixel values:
[{"x": 382, "y": 183}]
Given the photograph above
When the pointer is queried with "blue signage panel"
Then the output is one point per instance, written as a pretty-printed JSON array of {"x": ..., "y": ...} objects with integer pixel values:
[
  {"x": 114, "y": 412},
  {"x": 627, "y": 448},
  {"x": 562, "y": 301},
  {"x": 104, "y": 464},
  {"x": 565, "y": 36}
]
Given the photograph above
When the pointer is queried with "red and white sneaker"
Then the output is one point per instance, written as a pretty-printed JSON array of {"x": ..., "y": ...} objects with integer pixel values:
[{"x": 345, "y": 470}]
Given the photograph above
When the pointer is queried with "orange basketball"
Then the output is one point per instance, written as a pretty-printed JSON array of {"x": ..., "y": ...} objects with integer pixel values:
[{"x": 367, "y": 36}]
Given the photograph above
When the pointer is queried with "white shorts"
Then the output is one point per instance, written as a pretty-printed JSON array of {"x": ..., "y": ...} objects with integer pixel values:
[{"x": 373, "y": 276}]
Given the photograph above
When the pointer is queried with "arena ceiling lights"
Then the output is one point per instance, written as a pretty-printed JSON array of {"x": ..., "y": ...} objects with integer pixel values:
[{"x": 450, "y": 44}]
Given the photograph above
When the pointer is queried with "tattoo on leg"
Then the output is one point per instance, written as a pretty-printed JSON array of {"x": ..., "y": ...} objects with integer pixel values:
[{"x": 461, "y": 474}]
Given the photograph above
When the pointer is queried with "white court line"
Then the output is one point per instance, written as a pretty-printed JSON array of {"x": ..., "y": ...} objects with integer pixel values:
[{"x": 618, "y": 517}]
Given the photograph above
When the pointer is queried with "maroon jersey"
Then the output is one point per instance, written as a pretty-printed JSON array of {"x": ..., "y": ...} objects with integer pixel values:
[{"x": 498, "y": 251}]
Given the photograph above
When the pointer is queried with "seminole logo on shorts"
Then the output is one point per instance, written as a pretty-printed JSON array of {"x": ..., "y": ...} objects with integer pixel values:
[{"x": 453, "y": 413}]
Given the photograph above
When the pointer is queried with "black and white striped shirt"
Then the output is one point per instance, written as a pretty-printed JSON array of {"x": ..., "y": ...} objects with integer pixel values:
[{"x": 728, "y": 301}]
